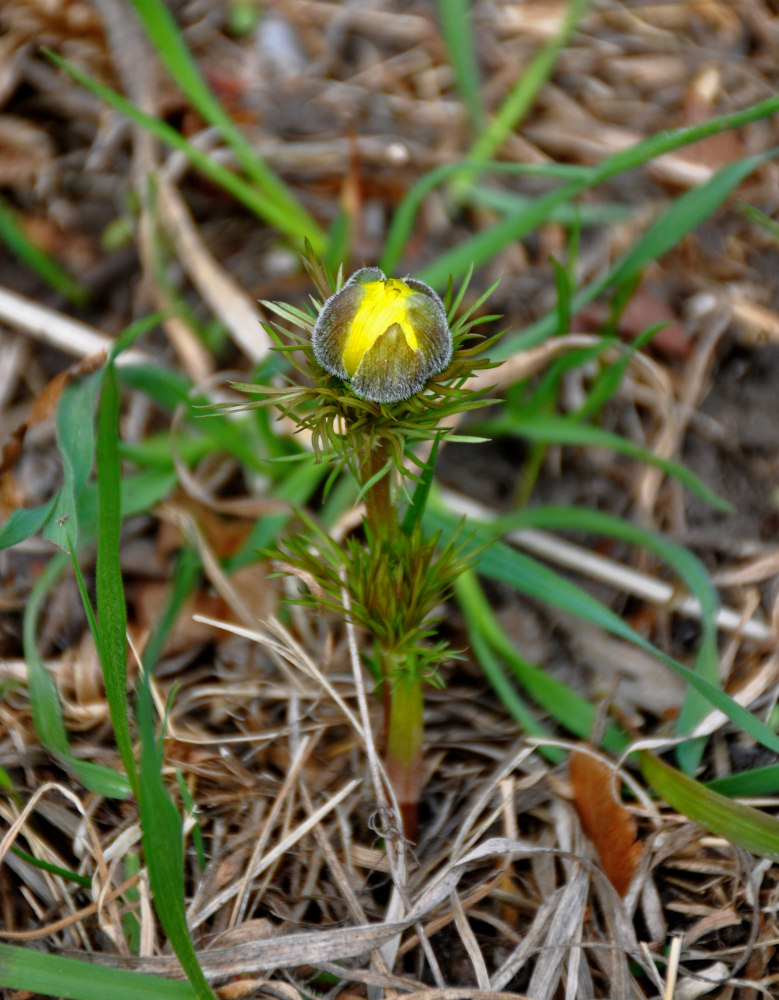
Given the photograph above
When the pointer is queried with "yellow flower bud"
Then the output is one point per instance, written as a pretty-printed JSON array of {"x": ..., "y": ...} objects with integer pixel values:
[{"x": 387, "y": 336}]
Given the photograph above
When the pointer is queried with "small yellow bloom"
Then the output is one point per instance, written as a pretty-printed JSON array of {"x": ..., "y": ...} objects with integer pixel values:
[{"x": 387, "y": 336}]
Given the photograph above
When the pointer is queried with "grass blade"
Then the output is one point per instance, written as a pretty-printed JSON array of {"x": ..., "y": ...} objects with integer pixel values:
[
  {"x": 485, "y": 245},
  {"x": 32, "y": 970},
  {"x": 163, "y": 849},
  {"x": 663, "y": 234},
  {"x": 164, "y": 33},
  {"x": 160, "y": 823},
  {"x": 76, "y": 442},
  {"x": 522, "y": 95},
  {"x": 568, "y": 708},
  {"x": 740, "y": 824},
  {"x": 458, "y": 34},
  {"x": 111, "y": 608},
  {"x": 46, "y": 267},
  {"x": 250, "y": 195},
  {"x": 404, "y": 216},
  {"x": 44, "y": 700},
  {"x": 24, "y": 522},
  {"x": 501, "y": 562},
  {"x": 554, "y": 429}
]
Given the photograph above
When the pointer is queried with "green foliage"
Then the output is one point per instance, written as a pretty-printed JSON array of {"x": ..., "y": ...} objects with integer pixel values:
[
  {"x": 393, "y": 583},
  {"x": 17, "y": 241},
  {"x": 396, "y": 577},
  {"x": 30, "y": 969},
  {"x": 272, "y": 207},
  {"x": 743, "y": 825}
]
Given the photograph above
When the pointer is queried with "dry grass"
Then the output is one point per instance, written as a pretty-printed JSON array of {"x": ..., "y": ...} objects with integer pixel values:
[{"x": 268, "y": 727}]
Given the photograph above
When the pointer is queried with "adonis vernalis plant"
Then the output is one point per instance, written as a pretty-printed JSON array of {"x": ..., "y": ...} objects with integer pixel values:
[{"x": 385, "y": 365}]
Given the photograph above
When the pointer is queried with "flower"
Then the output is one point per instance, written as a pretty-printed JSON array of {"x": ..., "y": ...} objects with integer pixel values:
[{"x": 386, "y": 335}]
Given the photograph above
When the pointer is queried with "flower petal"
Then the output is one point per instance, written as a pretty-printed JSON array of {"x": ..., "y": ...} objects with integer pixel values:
[
  {"x": 427, "y": 315},
  {"x": 331, "y": 330},
  {"x": 390, "y": 370}
]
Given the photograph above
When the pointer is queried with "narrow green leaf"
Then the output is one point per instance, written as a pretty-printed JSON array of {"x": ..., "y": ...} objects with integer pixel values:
[
  {"x": 163, "y": 847},
  {"x": 485, "y": 245},
  {"x": 76, "y": 442},
  {"x": 186, "y": 575},
  {"x": 740, "y": 824},
  {"x": 759, "y": 781},
  {"x": 160, "y": 26},
  {"x": 416, "y": 508},
  {"x": 458, "y": 34},
  {"x": 111, "y": 608},
  {"x": 564, "y": 705},
  {"x": 664, "y": 233},
  {"x": 691, "y": 571},
  {"x": 527, "y": 575},
  {"x": 524, "y": 92},
  {"x": 685, "y": 214},
  {"x": 250, "y": 195},
  {"x": 47, "y": 866},
  {"x": 553, "y": 429},
  {"x": 44, "y": 700},
  {"x": 25, "y": 522},
  {"x": 45, "y": 266},
  {"x": 45, "y": 974},
  {"x": 404, "y": 216}
]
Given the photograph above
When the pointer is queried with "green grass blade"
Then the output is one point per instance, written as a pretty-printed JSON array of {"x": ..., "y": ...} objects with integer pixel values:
[
  {"x": 680, "y": 218},
  {"x": 569, "y": 709},
  {"x": 25, "y": 522},
  {"x": 690, "y": 570},
  {"x": 163, "y": 847},
  {"x": 186, "y": 575},
  {"x": 458, "y": 34},
  {"x": 45, "y": 974},
  {"x": 761, "y": 219},
  {"x": 248, "y": 194},
  {"x": 526, "y": 575},
  {"x": 44, "y": 700},
  {"x": 404, "y": 216},
  {"x": 171, "y": 389},
  {"x": 685, "y": 214},
  {"x": 485, "y": 245},
  {"x": 76, "y": 442},
  {"x": 46, "y": 267},
  {"x": 553, "y": 429},
  {"x": 111, "y": 608},
  {"x": 164, "y": 33},
  {"x": 740, "y": 824},
  {"x": 525, "y": 90},
  {"x": 758, "y": 781},
  {"x": 47, "y": 866},
  {"x": 416, "y": 508},
  {"x": 160, "y": 823}
]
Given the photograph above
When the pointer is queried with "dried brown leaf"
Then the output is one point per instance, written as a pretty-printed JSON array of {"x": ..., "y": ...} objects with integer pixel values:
[{"x": 609, "y": 825}]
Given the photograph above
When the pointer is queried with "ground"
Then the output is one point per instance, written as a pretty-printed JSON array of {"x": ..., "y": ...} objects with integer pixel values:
[{"x": 350, "y": 104}]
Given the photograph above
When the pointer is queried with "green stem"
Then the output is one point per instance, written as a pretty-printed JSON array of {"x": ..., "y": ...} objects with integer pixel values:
[
  {"x": 379, "y": 508},
  {"x": 404, "y": 744},
  {"x": 402, "y": 685}
]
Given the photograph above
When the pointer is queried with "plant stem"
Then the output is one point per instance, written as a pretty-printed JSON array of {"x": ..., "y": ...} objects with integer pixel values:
[
  {"x": 379, "y": 509},
  {"x": 402, "y": 686},
  {"x": 404, "y": 744}
]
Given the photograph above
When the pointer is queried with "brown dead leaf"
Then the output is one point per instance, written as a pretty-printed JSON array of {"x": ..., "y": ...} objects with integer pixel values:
[{"x": 608, "y": 824}]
